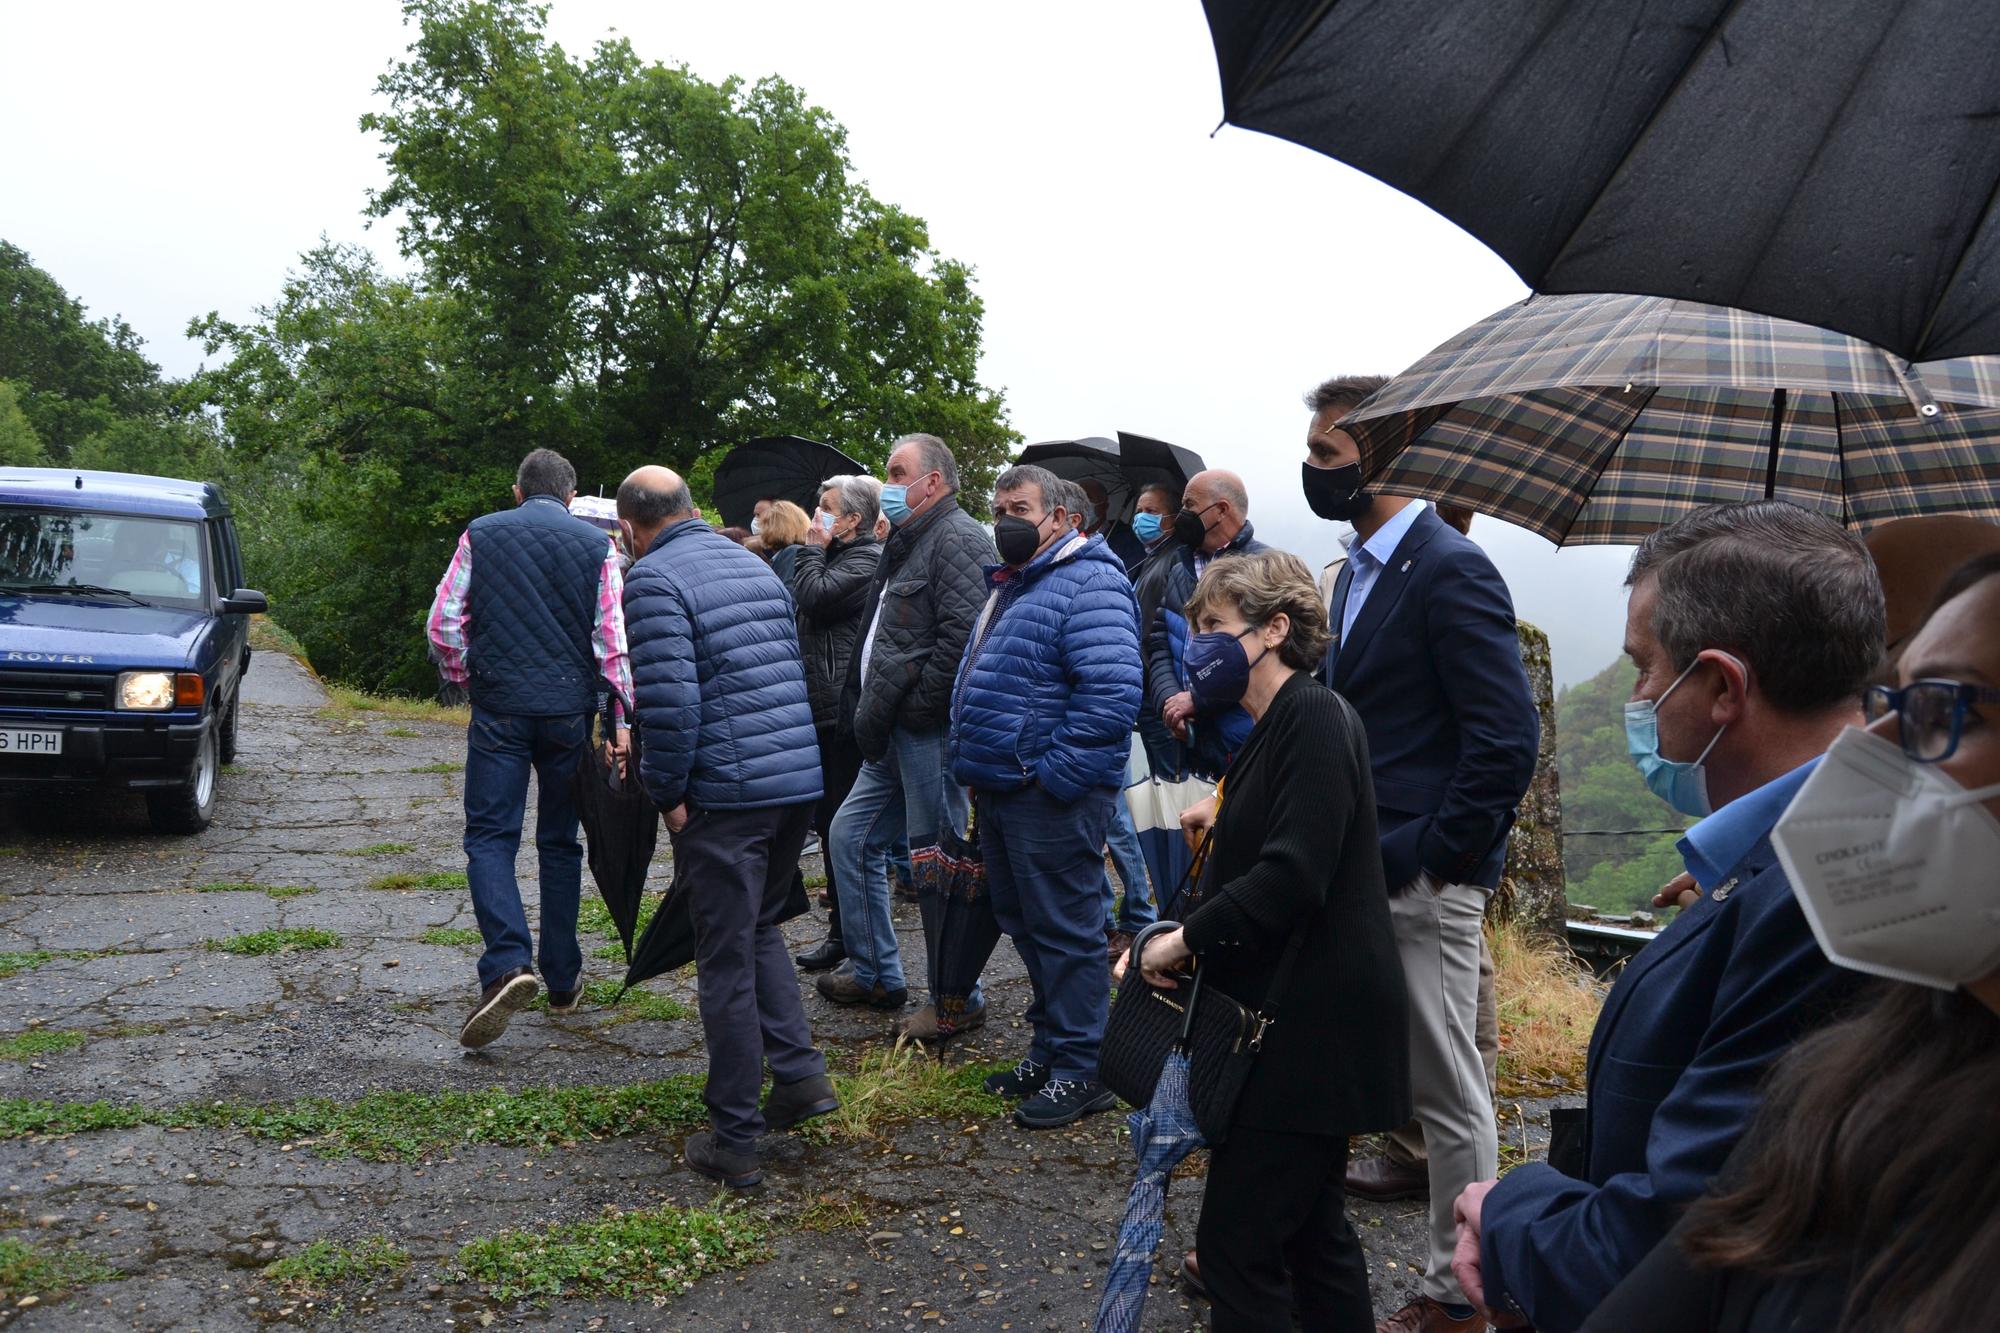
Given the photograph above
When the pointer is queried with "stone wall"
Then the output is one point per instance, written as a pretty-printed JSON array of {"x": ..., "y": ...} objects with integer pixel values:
[{"x": 1532, "y": 890}]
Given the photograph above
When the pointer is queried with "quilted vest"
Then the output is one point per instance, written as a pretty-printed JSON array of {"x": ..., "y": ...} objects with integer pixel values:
[{"x": 532, "y": 605}]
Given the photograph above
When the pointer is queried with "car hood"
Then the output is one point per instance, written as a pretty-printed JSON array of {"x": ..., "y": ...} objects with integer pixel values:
[{"x": 80, "y": 631}]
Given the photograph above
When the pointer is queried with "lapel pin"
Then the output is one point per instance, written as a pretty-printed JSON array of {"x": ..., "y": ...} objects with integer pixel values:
[
  {"x": 1406, "y": 567},
  {"x": 1728, "y": 887}
]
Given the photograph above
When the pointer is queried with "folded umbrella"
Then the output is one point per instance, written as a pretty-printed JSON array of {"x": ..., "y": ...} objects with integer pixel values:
[
  {"x": 621, "y": 830},
  {"x": 668, "y": 941},
  {"x": 960, "y": 932},
  {"x": 1163, "y": 1133}
]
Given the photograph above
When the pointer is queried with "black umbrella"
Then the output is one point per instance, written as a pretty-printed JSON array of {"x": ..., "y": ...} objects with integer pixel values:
[
  {"x": 960, "y": 931},
  {"x": 1124, "y": 466},
  {"x": 621, "y": 828},
  {"x": 1834, "y": 162},
  {"x": 669, "y": 939},
  {"x": 782, "y": 467}
]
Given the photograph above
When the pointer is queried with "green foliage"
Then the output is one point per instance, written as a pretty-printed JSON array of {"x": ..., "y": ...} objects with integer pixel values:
[
  {"x": 380, "y": 849},
  {"x": 633, "y": 1006},
  {"x": 1602, "y": 790},
  {"x": 292, "y": 939},
  {"x": 74, "y": 378},
  {"x": 21, "y": 1117},
  {"x": 20, "y": 446},
  {"x": 28, "y": 1270},
  {"x": 268, "y": 890},
  {"x": 403, "y": 880},
  {"x": 650, "y": 1252},
  {"x": 441, "y": 766},
  {"x": 29, "y": 960},
  {"x": 458, "y": 937},
  {"x": 28, "y": 1045},
  {"x": 315, "y": 1271}
]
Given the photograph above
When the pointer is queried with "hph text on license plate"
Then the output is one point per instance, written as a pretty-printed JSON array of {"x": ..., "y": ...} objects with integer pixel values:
[{"x": 14, "y": 740}]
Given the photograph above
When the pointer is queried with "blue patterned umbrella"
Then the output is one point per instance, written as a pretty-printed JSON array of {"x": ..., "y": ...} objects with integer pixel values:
[{"x": 1163, "y": 1133}]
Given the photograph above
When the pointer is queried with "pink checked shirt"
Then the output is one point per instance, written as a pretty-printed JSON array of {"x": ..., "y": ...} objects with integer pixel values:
[{"x": 449, "y": 619}]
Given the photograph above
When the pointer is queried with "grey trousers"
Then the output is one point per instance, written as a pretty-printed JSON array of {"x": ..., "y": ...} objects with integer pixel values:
[
  {"x": 1438, "y": 937},
  {"x": 1406, "y": 1142},
  {"x": 739, "y": 866}
]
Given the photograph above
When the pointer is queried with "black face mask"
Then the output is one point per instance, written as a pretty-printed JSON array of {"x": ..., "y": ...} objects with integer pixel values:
[
  {"x": 1335, "y": 493},
  {"x": 1189, "y": 530},
  {"x": 1017, "y": 538}
]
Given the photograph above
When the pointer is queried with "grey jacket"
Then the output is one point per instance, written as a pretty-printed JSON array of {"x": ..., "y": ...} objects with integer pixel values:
[
  {"x": 830, "y": 584},
  {"x": 930, "y": 586}
]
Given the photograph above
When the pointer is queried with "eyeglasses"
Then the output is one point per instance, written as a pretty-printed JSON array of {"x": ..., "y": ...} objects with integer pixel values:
[{"x": 1930, "y": 714}]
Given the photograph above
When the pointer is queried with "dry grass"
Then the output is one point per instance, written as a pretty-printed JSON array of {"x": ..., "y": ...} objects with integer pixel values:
[
  {"x": 344, "y": 704},
  {"x": 904, "y": 1082},
  {"x": 1548, "y": 1004}
]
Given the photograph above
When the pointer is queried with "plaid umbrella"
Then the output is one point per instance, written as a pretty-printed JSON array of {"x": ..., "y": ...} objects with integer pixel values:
[
  {"x": 960, "y": 932},
  {"x": 1597, "y": 419},
  {"x": 1163, "y": 1132}
]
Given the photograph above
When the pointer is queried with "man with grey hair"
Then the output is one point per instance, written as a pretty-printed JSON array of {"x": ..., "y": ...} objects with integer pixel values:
[
  {"x": 928, "y": 588},
  {"x": 1754, "y": 628},
  {"x": 529, "y": 621},
  {"x": 727, "y": 753}
]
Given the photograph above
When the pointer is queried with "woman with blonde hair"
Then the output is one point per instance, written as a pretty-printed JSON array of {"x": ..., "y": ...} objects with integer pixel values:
[{"x": 780, "y": 533}]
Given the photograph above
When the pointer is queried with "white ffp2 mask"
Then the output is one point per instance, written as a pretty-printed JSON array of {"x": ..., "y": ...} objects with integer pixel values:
[{"x": 1896, "y": 866}]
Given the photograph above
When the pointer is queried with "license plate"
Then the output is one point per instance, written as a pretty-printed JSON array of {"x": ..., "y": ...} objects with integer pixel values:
[{"x": 14, "y": 740}]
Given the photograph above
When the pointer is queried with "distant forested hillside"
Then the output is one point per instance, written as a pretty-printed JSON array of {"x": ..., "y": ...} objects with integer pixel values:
[{"x": 1602, "y": 790}]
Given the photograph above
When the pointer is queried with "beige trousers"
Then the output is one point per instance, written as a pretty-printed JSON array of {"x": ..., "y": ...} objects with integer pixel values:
[{"x": 1406, "y": 1142}]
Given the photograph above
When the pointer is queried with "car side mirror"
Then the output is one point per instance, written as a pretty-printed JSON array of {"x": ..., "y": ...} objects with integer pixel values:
[{"x": 245, "y": 602}]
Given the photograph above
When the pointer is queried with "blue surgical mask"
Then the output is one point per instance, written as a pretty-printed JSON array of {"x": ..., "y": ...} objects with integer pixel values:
[
  {"x": 1147, "y": 527},
  {"x": 895, "y": 503},
  {"x": 1681, "y": 784},
  {"x": 1218, "y": 669}
]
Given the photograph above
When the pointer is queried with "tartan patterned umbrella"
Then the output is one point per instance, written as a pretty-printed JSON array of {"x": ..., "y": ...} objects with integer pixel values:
[
  {"x": 1597, "y": 419},
  {"x": 1163, "y": 1133}
]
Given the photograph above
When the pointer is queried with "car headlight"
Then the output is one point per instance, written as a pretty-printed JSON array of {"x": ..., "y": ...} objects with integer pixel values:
[{"x": 146, "y": 691}]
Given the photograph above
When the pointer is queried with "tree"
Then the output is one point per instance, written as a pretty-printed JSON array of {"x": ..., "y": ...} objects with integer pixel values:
[
  {"x": 73, "y": 377},
  {"x": 19, "y": 445},
  {"x": 1603, "y": 794}
]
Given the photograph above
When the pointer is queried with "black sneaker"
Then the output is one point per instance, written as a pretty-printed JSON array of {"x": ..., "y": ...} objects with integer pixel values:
[
  {"x": 1019, "y": 1081},
  {"x": 830, "y": 953},
  {"x": 738, "y": 1170},
  {"x": 1063, "y": 1101},
  {"x": 841, "y": 987},
  {"x": 562, "y": 1003},
  {"x": 790, "y": 1104}
]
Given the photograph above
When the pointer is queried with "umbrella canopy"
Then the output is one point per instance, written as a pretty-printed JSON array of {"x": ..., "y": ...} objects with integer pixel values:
[
  {"x": 1163, "y": 1132},
  {"x": 783, "y": 467},
  {"x": 669, "y": 939},
  {"x": 1830, "y": 161},
  {"x": 960, "y": 931},
  {"x": 1597, "y": 419},
  {"x": 1124, "y": 466},
  {"x": 621, "y": 828}
]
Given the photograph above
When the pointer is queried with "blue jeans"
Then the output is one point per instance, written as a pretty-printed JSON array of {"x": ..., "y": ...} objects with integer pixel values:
[
  {"x": 1044, "y": 863},
  {"x": 500, "y": 749},
  {"x": 902, "y": 798},
  {"x": 1138, "y": 910}
]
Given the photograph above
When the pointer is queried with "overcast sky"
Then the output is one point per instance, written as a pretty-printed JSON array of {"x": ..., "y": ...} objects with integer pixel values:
[{"x": 1139, "y": 273}]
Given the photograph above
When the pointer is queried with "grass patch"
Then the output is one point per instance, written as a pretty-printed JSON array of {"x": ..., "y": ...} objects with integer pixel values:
[
  {"x": 380, "y": 849},
  {"x": 403, "y": 880},
  {"x": 904, "y": 1083},
  {"x": 28, "y": 1045},
  {"x": 29, "y": 960},
  {"x": 402, "y": 733},
  {"x": 647, "y": 1253},
  {"x": 21, "y": 1118},
  {"x": 314, "y": 1272},
  {"x": 815, "y": 881},
  {"x": 831, "y": 1212},
  {"x": 455, "y": 936},
  {"x": 1548, "y": 1005},
  {"x": 268, "y": 636},
  {"x": 292, "y": 939},
  {"x": 268, "y": 890},
  {"x": 26, "y": 1270},
  {"x": 638, "y": 1004},
  {"x": 345, "y": 704},
  {"x": 6, "y": 852},
  {"x": 441, "y": 766}
]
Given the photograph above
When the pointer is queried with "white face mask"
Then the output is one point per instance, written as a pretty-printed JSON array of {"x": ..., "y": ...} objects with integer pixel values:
[
  {"x": 756, "y": 527},
  {"x": 1896, "y": 866}
]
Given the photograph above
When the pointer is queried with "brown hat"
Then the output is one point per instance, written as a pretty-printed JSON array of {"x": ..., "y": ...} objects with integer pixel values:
[{"x": 1914, "y": 557}]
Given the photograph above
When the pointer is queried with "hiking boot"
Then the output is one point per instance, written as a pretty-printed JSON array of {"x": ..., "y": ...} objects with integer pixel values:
[
  {"x": 790, "y": 1104},
  {"x": 498, "y": 1003},
  {"x": 923, "y": 1024},
  {"x": 830, "y": 953},
  {"x": 1064, "y": 1101},
  {"x": 840, "y": 987},
  {"x": 563, "y": 1003},
  {"x": 1018, "y": 1082},
  {"x": 738, "y": 1170}
]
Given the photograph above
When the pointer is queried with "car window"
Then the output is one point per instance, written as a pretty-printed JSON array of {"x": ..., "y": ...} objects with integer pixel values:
[{"x": 158, "y": 560}]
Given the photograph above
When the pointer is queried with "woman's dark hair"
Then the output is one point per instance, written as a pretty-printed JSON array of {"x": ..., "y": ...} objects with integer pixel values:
[{"x": 1877, "y": 1157}]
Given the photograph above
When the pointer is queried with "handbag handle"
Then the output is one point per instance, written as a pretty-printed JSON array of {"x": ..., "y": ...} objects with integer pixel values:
[{"x": 1138, "y": 949}]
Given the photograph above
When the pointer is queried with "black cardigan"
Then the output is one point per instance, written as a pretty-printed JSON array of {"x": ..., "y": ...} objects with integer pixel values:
[{"x": 1296, "y": 846}]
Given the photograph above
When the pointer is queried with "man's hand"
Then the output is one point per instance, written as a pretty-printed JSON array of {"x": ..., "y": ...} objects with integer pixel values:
[
  {"x": 1468, "y": 1209},
  {"x": 677, "y": 818},
  {"x": 618, "y": 749},
  {"x": 1196, "y": 821},
  {"x": 1680, "y": 891},
  {"x": 1164, "y": 953},
  {"x": 1176, "y": 711}
]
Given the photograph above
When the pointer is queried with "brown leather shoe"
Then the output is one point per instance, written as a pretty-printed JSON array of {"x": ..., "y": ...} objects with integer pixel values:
[
  {"x": 1379, "y": 1180},
  {"x": 1424, "y": 1315},
  {"x": 1117, "y": 944},
  {"x": 1191, "y": 1276},
  {"x": 498, "y": 1003}
]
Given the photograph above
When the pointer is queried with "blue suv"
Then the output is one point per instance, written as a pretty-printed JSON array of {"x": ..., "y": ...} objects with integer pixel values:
[{"x": 124, "y": 637}]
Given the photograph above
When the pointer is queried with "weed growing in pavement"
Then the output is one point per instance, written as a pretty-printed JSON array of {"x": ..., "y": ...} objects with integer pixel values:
[
  {"x": 314, "y": 1272},
  {"x": 436, "y": 879},
  {"x": 13, "y": 851},
  {"x": 292, "y": 939},
  {"x": 456, "y": 936},
  {"x": 902, "y": 1083},
  {"x": 637, "y": 1005},
  {"x": 268, "y": 890},
  {"x": 27, "y": 1270},
  {"x": 28, "y": 961},
  {"x": 1548, "y": 1004},
  {"x": 344, "y": 703},
  {"x": 380, "y": 849},
  {"x": 28, "y": 1045},
  {"x": 649, "y": 1252},
  {"x": 21, "y": 1118},
  {"x": 441, "y": 766},
  {"x": 402, "y": 733},
  {"x": 831, "y": 1212},
  {"x": 815, "y": 881}
]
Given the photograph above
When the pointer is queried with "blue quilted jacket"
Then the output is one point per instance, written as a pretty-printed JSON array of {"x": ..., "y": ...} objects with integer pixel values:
[
  {"x": 723, "y": 718},
  {"x": 1051, "y": 681}
]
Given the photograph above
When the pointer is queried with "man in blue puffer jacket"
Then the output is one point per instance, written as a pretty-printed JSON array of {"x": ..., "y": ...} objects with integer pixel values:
[
  {"x": 729, "y": 755},
  {"x": 1041, "y": 726}
]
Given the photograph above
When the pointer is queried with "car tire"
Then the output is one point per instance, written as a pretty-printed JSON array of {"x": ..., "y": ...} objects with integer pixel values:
[
  {"x": 189, "y": 809},
  {"x": 228, "y": 725}
]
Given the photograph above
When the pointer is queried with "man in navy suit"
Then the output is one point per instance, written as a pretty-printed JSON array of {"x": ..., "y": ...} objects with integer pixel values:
[
  {"x": 1427, "y": 651},
  {"x": 1754, "y": 628}
]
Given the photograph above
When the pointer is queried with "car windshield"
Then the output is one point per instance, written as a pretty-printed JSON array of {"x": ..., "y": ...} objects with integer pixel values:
[{"x": 155, "y": 560}]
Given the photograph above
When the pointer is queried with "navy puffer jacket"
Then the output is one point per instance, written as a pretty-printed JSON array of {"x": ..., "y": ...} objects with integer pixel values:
[
  {"x": 723, "y": 718},
  {"x": 1051, "y": 681}
]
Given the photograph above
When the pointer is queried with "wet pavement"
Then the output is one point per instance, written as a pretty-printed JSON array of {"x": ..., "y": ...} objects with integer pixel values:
[{"x": 939, "y": 1222}]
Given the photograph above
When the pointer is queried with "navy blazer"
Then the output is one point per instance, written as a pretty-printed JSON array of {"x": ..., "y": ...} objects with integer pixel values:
[
  {"x": 1434, "y": 668},
  {"x": 1676, "y": 1062}
]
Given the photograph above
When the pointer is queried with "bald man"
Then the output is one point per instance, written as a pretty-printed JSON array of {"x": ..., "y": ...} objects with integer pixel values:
[
  {"x": 1213, "y": 524},
  {"x": 728, "y": 753}
]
